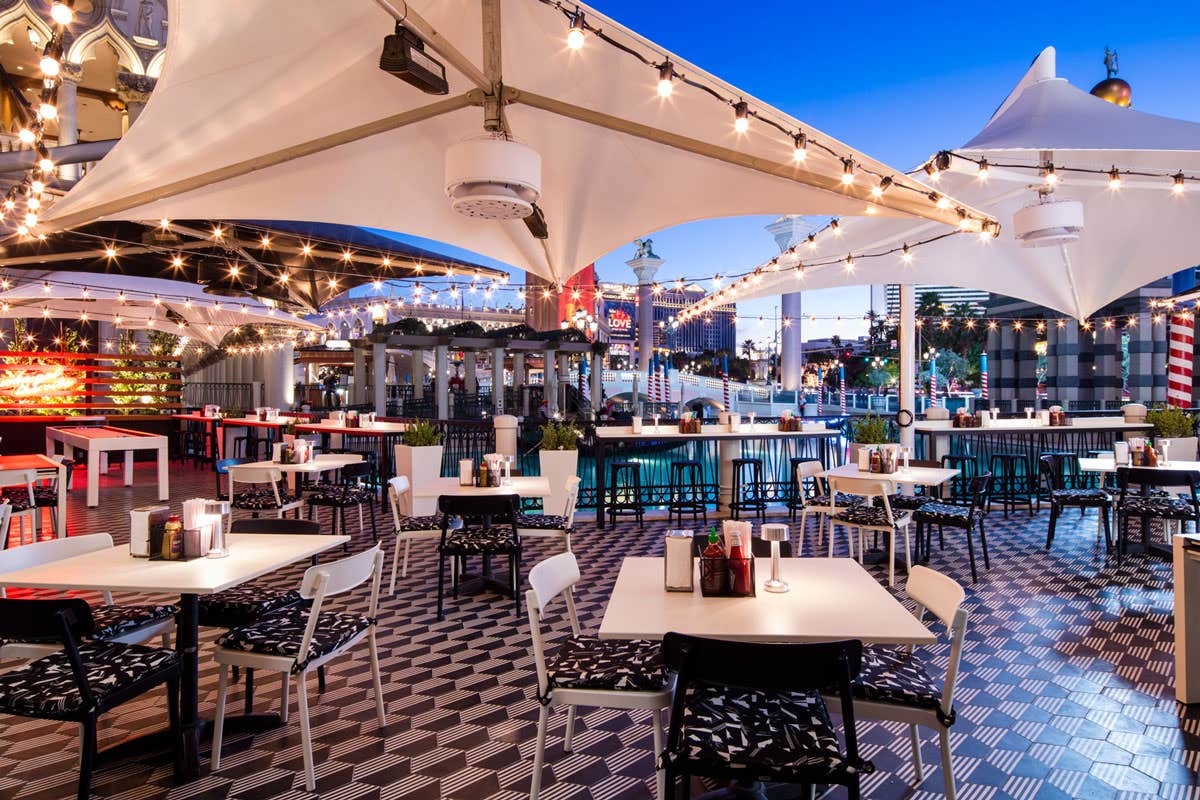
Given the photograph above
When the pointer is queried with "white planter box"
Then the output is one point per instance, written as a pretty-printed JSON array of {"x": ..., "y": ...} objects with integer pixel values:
[
  {"x": 420, "y": 465},
  {"x": 557, "y": 466}
]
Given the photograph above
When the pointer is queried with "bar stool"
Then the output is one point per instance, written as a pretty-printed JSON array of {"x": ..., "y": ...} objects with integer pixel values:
[
  {"x": 795, "y": 495},
  {"x": 686, "y": 492},
  {"x": 747, "y": 495},
  {"x": 625, "y": 492},
  {"x": 1068, "y": 462},
  {"x": 249, "y": 445},
  {"x": 1009, "y": 481}
]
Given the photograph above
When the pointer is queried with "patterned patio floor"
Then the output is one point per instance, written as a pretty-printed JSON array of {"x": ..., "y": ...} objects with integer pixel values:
[{"x": 1067, "y": 688}]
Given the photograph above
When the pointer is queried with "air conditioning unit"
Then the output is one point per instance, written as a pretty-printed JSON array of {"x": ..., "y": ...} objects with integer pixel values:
[
  {"x": 1046, "y": 224},
  {"x": 493, "y": 178}
]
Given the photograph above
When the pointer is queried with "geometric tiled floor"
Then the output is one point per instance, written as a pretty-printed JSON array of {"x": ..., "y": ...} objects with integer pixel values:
[{"x": 1066, "y": 689}]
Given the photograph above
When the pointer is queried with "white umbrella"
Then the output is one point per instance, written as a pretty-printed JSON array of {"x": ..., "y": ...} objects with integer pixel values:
[
  {"x": 134, "y": 303},
  {"x": 269, "y": 110}
]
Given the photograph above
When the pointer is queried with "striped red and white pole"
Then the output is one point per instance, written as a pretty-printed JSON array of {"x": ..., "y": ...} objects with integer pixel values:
[
  {"x": 1179, "y": 361},
  {"x": 983, "y": 378},
  {"x": 820, "y": 390},
  {"x": 725, "y": 388},
  {"x": 842, "y": 387},
  {"x": 933, "y": 387}
]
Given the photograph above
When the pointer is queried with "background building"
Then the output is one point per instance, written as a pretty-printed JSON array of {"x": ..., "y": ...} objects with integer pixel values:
[
  {"x": 951, "y": 296},
  {"x": 618, "y": 315}
]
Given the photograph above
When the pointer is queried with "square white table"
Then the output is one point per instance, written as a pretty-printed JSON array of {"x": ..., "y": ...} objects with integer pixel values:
[
  {"x": 522, "y": 485},
  {"x": 250, "y": 556},
  {"x": 913, "y": 475},
  {"x": 98, "y": 442},
  {"x": 830, "y": 599},
  {"x": 323, "y": 462}
]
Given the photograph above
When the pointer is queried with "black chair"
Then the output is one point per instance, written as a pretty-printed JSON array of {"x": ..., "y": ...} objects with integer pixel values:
[
  {"x": 909, "y": 502},
  {"x": 45, "y": 495},
  {"x": 747, "y": 494},
  {"x": 625, "y": 492},
  {"x": 796, "y": 489},
  {"x": 965, "y": 518},
  {"x": 351, "y": 491},
  {"x": 482, "y": 534},
  {"x": 749, "y": 712},
  {"x": 1010, "y": 484},
  {"x": 957, "y": 491},
  {"x": 1156, "y": 498},
  {"x": 81, "y": 682},
  {"x": 1052, "y": 475},
  {"x": 251, "y": 446},
  {"x": 687, "y": 492}
]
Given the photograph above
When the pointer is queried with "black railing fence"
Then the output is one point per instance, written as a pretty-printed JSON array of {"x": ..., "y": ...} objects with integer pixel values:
[{"x": 225, "y": 395}]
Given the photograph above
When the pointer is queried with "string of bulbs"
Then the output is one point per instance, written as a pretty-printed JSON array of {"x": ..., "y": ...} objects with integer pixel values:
[
  {"x": 1051, "y": 173},
  {"x": 580, "y": 29}
]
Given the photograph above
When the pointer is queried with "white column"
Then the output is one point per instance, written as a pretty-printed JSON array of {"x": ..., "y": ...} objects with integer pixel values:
[
  {"x": 791, "y": 355},
  {"x": 506, "y": 434},
  {"x": 597, "y": 376},
  {"x": 68, "y": 114},
  {"x": 519, "y": 380},
  {"x": 418, "y": 372},
  {"x": 278, "y": 389},
  {"x": 645, "y": 267},
  {"x": 550, "y": 385},
  {"x": 359, "y": 376},
  {"x": 442, "y": 381},
  {"x": 470, "y": 377},
  {"x": 497, "y": 380},
  {"x": 379, "y": 377},
  {"x": 134, "y": 91},
  {"x": 564, "y": 379},
  {"x": 908, "y": 354}
]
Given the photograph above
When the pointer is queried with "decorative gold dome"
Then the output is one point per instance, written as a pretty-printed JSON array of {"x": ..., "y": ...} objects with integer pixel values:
[{"x": 1115, "y": 91}]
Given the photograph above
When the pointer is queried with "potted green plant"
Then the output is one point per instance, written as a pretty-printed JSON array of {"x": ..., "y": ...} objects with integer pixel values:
[
  {"x": 419, "y": 458},
  {"x": 559, "y": 460},
  {"x": 1175, "y": 428},
  {"x": 866, "y": 433}
]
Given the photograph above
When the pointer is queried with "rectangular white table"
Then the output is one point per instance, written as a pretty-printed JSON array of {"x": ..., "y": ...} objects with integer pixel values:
[
  {"x": 913, "y": 475},
  {"x": 830, "y": 599},
  {"x": 250, "y": 556},
  {"x": 45, "y": 467},
  {"x": 1107, "y": 464},
  {"x": 522, "y": 485},
  {"x": 324, "y": 462},
  {"x": 98, "y": 442}
]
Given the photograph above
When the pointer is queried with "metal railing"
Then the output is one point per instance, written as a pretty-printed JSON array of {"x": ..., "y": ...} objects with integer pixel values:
[{"x": 225, "y": 395}]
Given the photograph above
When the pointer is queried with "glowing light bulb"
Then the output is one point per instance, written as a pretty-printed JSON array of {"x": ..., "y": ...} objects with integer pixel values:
[
  {"x": 984, "y": 170},
  {"x": 741, "y": 117},
  {"x": 48, "y": 111},
  {"x": 906, "y": 254},
  {"x": 1051, "y": 177},
  {"x": 576, "y": 35},
  {"x": 1177, "y": 185},
  {"x": 22, "y": 230},
  {"x": 665, "y": 85},
  {"x": 800, "y": 148},
  {"x": 49, "y": 66},
  {"x": 177, "y": 262},
  {"x": 37, "y": 187},
  {"x": 847, "y": 172},
  {"x": 1114, "y": 178},
  {"x": 26, "y": 136},
  {"x": 31, "y": 220},
  {"x": 61, "y": 13},
  {"x": 110, "y": 252},
  {"x": 46, "y": 165}
]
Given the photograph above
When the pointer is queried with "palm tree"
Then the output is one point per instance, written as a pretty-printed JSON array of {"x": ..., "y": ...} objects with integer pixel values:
[{"x": 748, "y": 349}]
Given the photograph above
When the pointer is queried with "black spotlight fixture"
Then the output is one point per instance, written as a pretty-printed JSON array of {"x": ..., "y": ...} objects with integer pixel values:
[{"x": 404, "y": 56}]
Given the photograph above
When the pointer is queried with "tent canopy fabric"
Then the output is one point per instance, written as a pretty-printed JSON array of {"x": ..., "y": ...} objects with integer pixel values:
[
  {"x": 1131, "y": 236},
  {"x": 132, "y": 299},
  {"x": 301, "y": 124}
]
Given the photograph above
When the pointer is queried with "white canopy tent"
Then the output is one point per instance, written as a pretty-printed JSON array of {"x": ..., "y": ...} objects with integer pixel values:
[
  {"x": 1131, "y": 235},
  {"x": 135, "y": 303},
  {"x": 262, "y": 112}
]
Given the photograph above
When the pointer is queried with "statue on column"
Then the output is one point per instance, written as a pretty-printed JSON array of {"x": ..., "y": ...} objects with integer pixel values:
[{"x": 645, "y": 248}]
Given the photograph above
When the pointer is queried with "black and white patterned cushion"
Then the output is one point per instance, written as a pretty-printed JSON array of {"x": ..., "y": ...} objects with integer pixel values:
[
  {"x": 282, "y": 634},
  {"x": 476, "y": 541},
  {"x": 341, "y": 496},
  {"x": 905, "y": 502},
  {"x": 1081, "y": 497},
  {"x": 112, "y": 621},
  {"x": 867, "y": 515},
  {"x": 430, "y": 522},
  {"x": 946, "y": 514},
  {"x": 244, "y": 604},
  {"x": 18, "y": 499},
  {"x": 891, "y": 675},
  {"x": 43, "y": 496},
  {"x": 46, "y": 688},
  {"x": 585, "y": 662},
  {"x": 542, "y": 522},
  {"x": 770, "y": 733},
  {"x": 843, "y": 500},
  {"x": 260, "y": 500},
  {"x": 1161, "y": 507}
]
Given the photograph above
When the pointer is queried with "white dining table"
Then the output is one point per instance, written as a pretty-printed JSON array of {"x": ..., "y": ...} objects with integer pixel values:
[
  {"x": 113, "y": 569},
  {"x": 830, "y": 599},
  {"x": 521, "y": 485},
  {"x": 1108, "y": 464},
  {"x": 322, "y": 462},
  {"x": 912, "y": 475}
]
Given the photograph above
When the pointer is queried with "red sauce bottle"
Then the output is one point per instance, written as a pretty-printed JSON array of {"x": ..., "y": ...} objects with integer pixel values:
[{"x": 739, "y": 567}]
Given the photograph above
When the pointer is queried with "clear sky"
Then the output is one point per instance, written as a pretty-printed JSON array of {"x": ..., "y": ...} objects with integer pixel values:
[{"x": 898, "y": 81}]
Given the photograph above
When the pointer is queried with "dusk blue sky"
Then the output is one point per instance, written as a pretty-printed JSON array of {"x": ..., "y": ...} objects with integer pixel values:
[{"x": 897, "y": 81}]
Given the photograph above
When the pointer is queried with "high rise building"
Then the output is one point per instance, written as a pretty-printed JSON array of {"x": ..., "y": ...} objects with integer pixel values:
[
  {"x": 950, "y": 296},
  {"x": 717, "y": 330}
]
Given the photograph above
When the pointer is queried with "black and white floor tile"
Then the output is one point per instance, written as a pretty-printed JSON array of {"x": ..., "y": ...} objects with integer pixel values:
[{"x": 1066, "y": 689}]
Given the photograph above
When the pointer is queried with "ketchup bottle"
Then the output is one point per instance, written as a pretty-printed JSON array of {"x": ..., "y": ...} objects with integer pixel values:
[{"x": 739, "y": 567}]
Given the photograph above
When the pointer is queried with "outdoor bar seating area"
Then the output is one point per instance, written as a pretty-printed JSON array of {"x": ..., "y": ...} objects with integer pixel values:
[{"x": 331, "y": 466}]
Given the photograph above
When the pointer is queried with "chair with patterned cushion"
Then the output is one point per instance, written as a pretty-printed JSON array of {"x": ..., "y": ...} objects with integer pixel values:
[
  {"x": 910, "y": 502},
  {"x": 587, "y": 671},
  {"x": 1054, "y": 490},
  {"x": 79, "y": 681},
  {"x": 111, "y": 622},
  {"x": 267, "y": 491},
  {"x": 483, "y": 534},
  {"x": 966, "y": 518},
  {"x": 408, "y": 528},
  {"x": 894, "y": 684},
  {"x": 1178, "y": 508},
  {"x": 297, "y": 640},
  {"x": 750, "y": 711},
  {"x": 556, "y": 526},
  {"x": 874, "y": 513},
  {"x": 352, "y": 490},
  {"x": 45, "y": 493},
  {"x": 18, "y": 493}
]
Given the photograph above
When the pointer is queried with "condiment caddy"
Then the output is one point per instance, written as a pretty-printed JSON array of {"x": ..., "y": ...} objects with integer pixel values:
[{"x": 728, "y": 571}]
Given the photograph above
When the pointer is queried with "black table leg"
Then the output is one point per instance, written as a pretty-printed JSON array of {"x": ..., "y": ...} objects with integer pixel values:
[
  {"x": 187, "y": 643},
  {"x": 600, "y": 447}
]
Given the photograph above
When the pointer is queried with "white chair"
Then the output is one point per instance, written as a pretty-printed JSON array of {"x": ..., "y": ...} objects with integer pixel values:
[
  {"x": 893, "y": 686},
  {"x": 816, "y": 503},
  {"x": 868, "y": 516},
  {"x": 408, "y": 528},
  {"x": 259, "y": 499},
  {"x": 123, "y": 624},
  {"x": 553, "y": 525},
  {"x": 586, "y": 671},
  {"x": 297, "y": 640},
  {"x": 17, "y": 485}
]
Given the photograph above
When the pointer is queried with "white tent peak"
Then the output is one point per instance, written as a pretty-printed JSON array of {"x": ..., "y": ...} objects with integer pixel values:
[{"x": 1043, "y": 68}]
